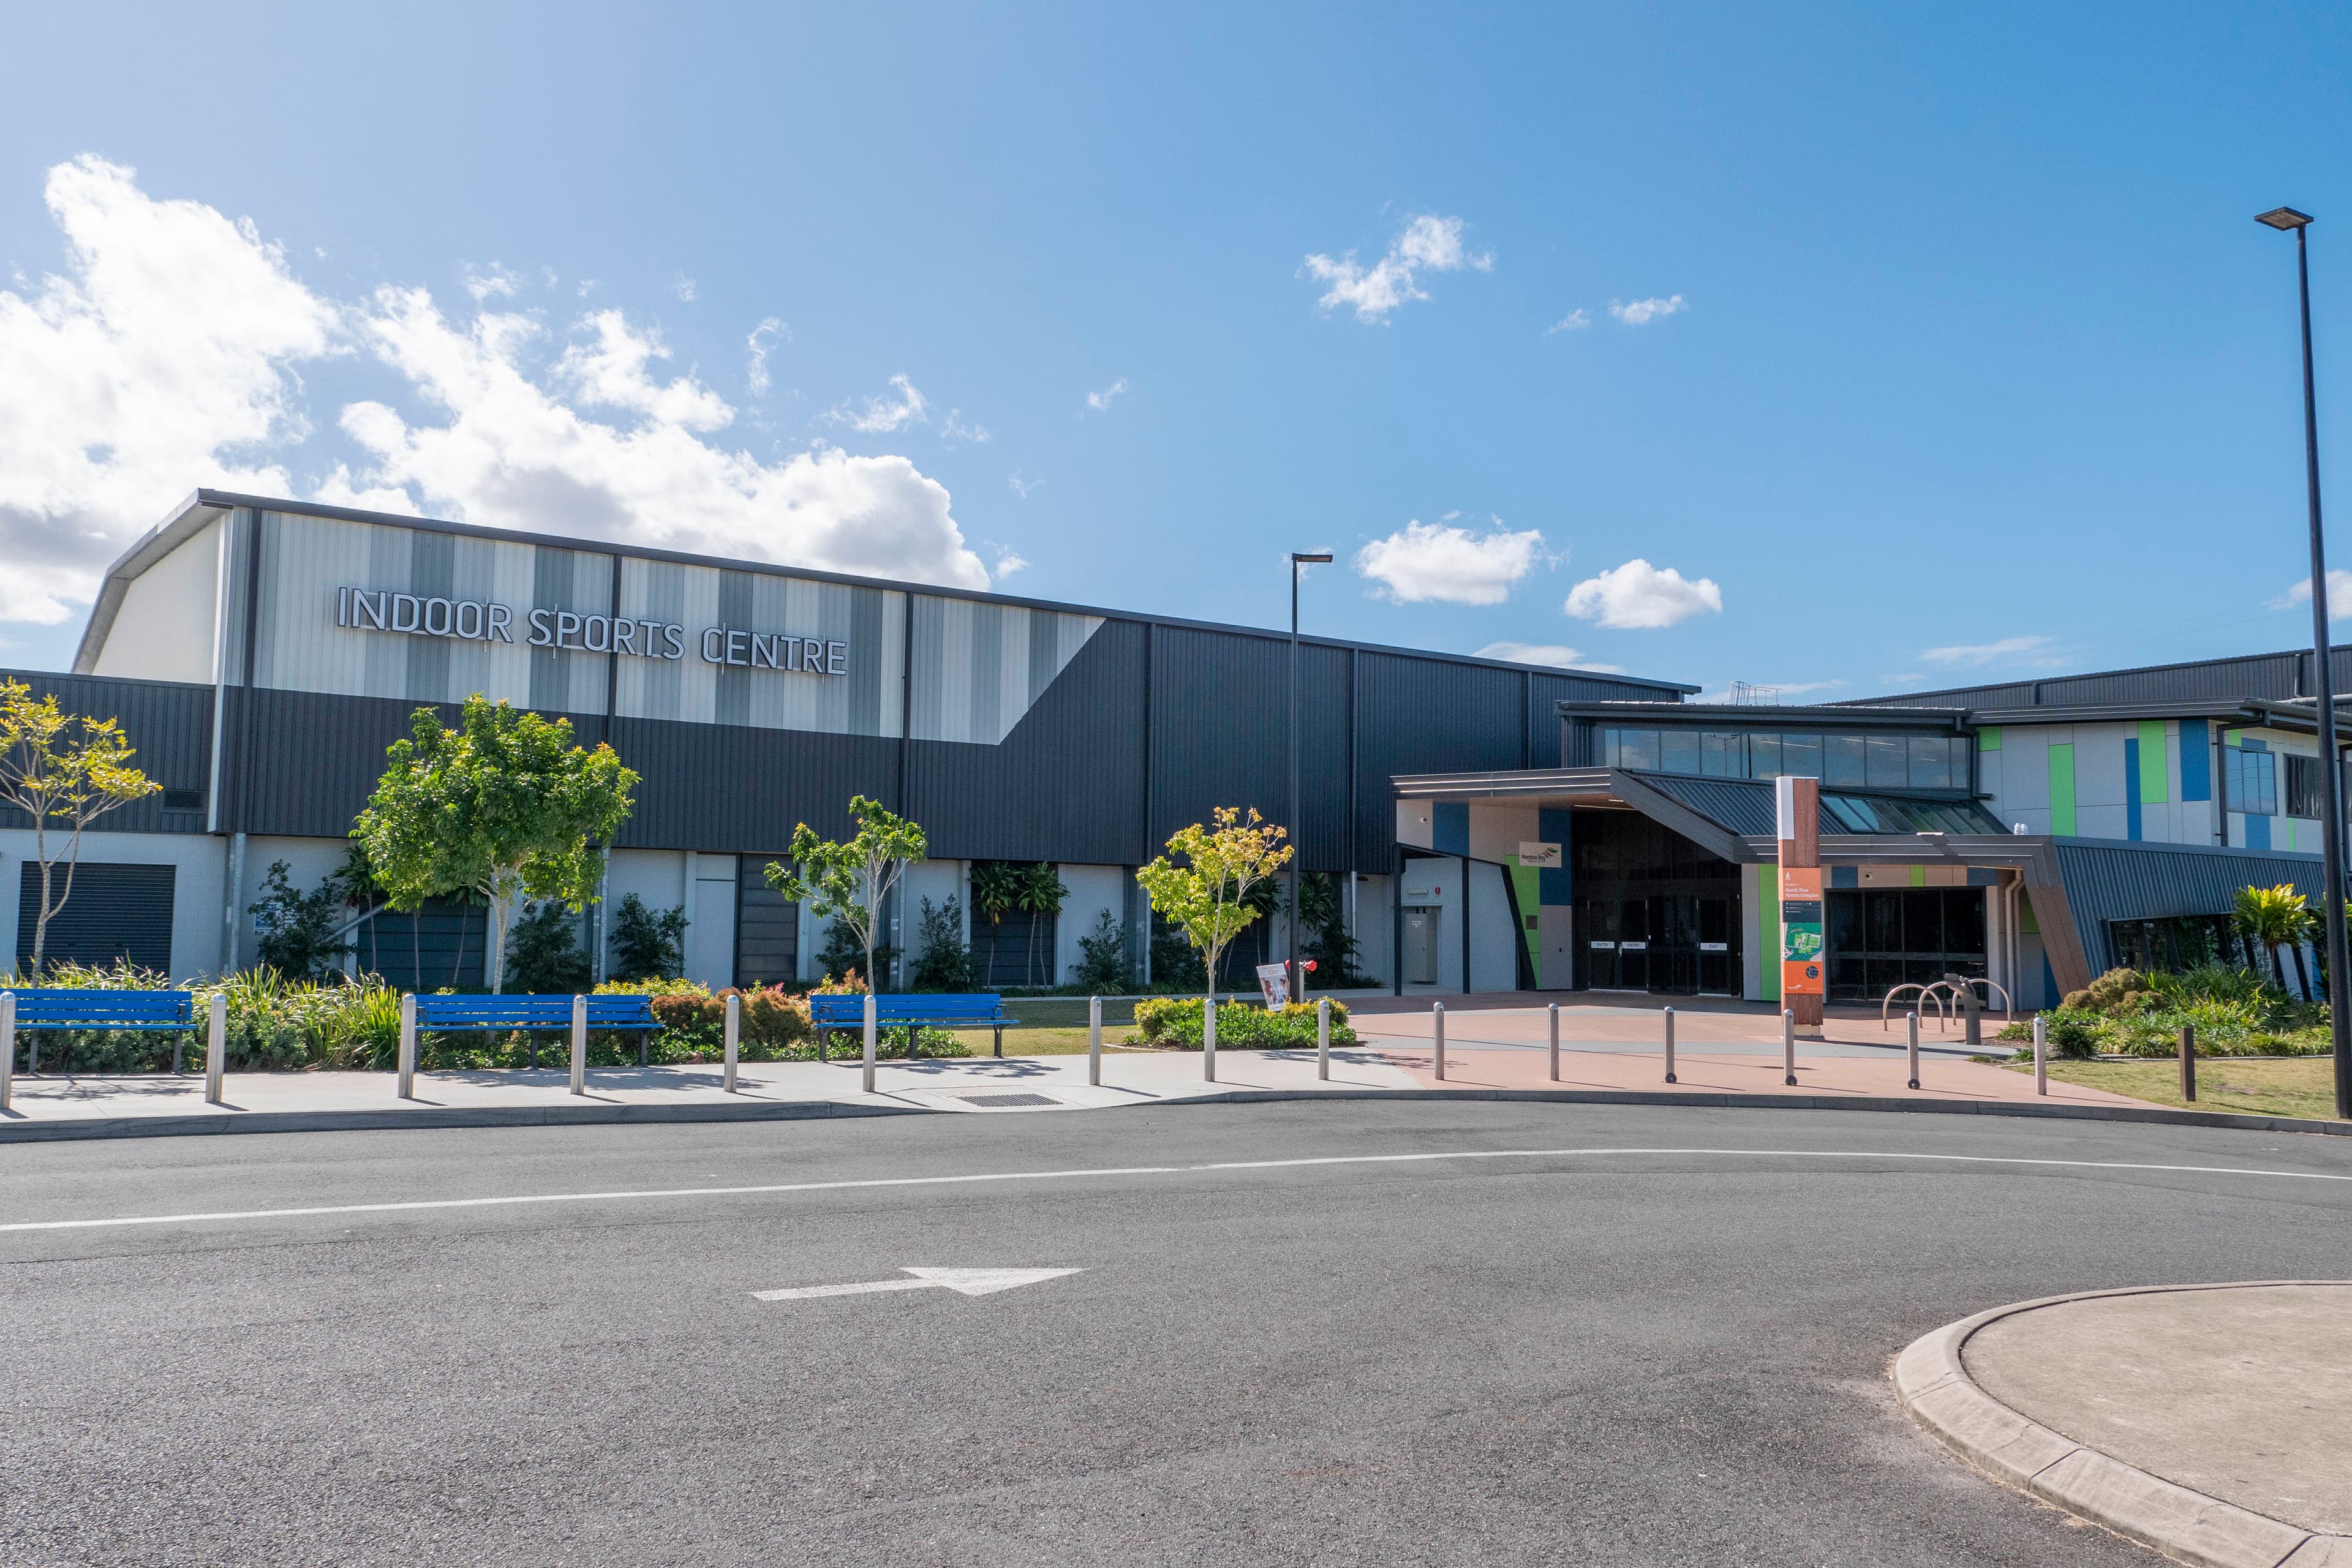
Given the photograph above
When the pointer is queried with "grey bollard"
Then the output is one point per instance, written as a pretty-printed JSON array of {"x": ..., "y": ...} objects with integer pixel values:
[
  {"x": 1911, "y": 1043},
  {"x": 1788, "y": 1048},
  {"x": 869, "y": 1041},
  {"x": 734, "y": 1043},
  {"x": 407, "y": 1048},
  {"x": 1670, "y": 1046},
  {"x": 2040, "y": 1056},
  {"x": 217, "y": 1050},
  {"x": 2189, "y": 1063},
  {"x": 1209, "y": 1039},
  {"x": 8, "y": 1048},
  {"x": 579, "y": 1041},
  {"x": 1437, "y": 1034},
  {"x": 1094, "y": 1042},
  {"x": 1323, "y": 1037},
  {"x": 1554, "y": 1047}
]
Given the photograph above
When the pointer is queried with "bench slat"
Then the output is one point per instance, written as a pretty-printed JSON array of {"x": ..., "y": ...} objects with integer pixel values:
[
  {"x": 531, "y": 1012},
  {"x": 62, "y": 1007}
]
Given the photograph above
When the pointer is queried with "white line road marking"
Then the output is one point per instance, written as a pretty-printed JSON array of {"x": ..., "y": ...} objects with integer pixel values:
[
  {"x": 963, "y": 1281},
  {"x": 421, "y": 1205}
]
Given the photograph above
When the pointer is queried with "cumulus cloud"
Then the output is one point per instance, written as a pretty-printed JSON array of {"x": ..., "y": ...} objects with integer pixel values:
[
  {"x": 491, "y": 282},
  {"x": 1426, "y": 244},
  {"x": 1432, "y": 561},
  {"x": 2339, "y": 595},
  {"x": 1574, "y": 321},
  {"x": 1544, "y": 653},
  {"x": 1638, "y": 596},
  {"x": 158, "y": 363},
  {"x": 756, "y": 346},
  {"x": 682, "y": 286},
  {"x": 883, "y": 413},
  {"x": 167, "y": 356},
  {"x": 1639, "y": 312},
  {"x": 1100, "y": 401},
  {"x": 1007, "y": 563},
  {"x": 1967, "y": 655}
]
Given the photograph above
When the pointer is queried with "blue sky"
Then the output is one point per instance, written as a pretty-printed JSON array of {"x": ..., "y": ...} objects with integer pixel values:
[{"x": 1971, "y": 361}]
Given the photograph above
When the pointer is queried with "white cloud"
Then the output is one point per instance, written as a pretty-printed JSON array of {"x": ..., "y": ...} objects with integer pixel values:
[
  {"x": 1971, "y": 654},
  {"x": 881, "y": 414},
  {"x": 2339, "y": 595},
  {"x": 1100, "y": 401},
  {"x": 158, "y": 363},
  {"x": 1008, "y": 562},
  {"x": 682, "y": 286},
  {"x": 1428, "y": 242},
  {"x": 1638, "y": 596},
  {"x": 167, "y": 357},
  {"x": 1641, "y": 312},
  {"x": 1544, "y": 653},
  {"x": 1426, "y": 560},
  {"x": 955, "y": 429},
  {"x": 756, "y": 346},
  {"x": 1022, "y": 487},
  {"x": 1574, "y": 321},
  {"x": 491, "y": 282}
]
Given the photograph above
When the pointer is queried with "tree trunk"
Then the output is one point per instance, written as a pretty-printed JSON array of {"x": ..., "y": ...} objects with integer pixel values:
[
  {"x": 497, "y": 944},
  {"x": 2301, "y": 973},
  {"x": 41, "y": 925}
]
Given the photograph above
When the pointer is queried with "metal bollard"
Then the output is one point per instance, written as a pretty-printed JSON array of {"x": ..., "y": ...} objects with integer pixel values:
[
  {"x": 1670, "y": 1046},
  {"x": 1093, "y": 1041},
  {"x": 216, "y": 1051},
  {"x": 1554, "y": 1047},
  {"x": 408, "y": 1047},
  {"x": 579, "y": 1041},
  {"x": 734, "y": 1042},
  {"x": 8, "y": 1048},
  {"x": 1788, "y": 1048},
  {"x": 1323, "y": 1037},
  {"x": 1437, "y": 1033},
  {"x": 869, "y": 1042},
  {"x": 1911, "y": 1045},
  {"x": 2040, "y": 1056},
  {"x": 1209, "y": 1039},
  {"x": 2189, "y": 1063}
]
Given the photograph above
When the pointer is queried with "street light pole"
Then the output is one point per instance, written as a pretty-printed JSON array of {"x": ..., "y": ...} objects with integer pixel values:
[
  {"x": 2339, "y": 951},
  {"x": 1298, "y": 976}
]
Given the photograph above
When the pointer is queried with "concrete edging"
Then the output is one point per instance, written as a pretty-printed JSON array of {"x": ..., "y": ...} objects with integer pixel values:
[
  {"x": 1934, "y": 1385},
  {"x": 595, "y": 1115}
]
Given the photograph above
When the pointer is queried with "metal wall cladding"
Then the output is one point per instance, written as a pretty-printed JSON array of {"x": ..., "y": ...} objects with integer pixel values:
[
  {"x": 979, "y": 667},
  {"x": 299, "y": 647},
  {"x": 1067, "y": 784},
  {"x": 722, "y": 788},
  {"x": 866, "y": 698},
  {"x": 2268, "y": 676},
  {"x": 2119, "y": 882},
  {"x": 168, "y": 726},
  {"x": 1424, "y": 716},
  {"x": 1221, "y": 736},
  {"x": 303, "y": 763}
]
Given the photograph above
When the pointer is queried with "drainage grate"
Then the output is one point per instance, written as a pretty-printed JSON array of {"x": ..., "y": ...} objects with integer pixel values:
[{"x": 1008, "y": 1099}]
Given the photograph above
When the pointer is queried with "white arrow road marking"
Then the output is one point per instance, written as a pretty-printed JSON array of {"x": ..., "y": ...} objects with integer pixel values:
[{"x": 963, "y": 1281}]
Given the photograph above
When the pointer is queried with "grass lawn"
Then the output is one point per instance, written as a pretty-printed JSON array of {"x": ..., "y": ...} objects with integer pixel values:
[
  {"x": 1045, "y": 1042},
  {"x": 2258, "y": 1086}
]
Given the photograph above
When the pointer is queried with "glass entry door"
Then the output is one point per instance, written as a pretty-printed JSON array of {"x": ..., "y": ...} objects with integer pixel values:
[{"x": 1674, "y": 943}]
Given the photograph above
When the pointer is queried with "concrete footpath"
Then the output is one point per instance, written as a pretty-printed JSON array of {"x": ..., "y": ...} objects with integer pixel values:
[{"x": 2211, "y": 1422}]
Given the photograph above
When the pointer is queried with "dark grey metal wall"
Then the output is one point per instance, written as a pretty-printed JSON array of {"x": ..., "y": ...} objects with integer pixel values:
[
  {"x": 2106, "y": 880},
  {"x": 169, "y": 725},
  {"x": 2266, "y": 676}
]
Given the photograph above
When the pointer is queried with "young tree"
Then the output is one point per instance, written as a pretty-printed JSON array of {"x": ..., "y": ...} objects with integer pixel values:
[
  {"x": 504, "y": 805},
  {"x": 300, "y": 931},
  {"x": 1040, "y": 897},
  {"x": 1209, "y": 896},
  {"x": 847, "y": 881},
  {"x": 64, "y": 770},
  {"x": 648, "y": 944}
]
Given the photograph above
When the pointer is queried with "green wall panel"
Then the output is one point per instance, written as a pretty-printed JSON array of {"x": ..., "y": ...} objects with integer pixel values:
[{"x": 2062, "y": 789}]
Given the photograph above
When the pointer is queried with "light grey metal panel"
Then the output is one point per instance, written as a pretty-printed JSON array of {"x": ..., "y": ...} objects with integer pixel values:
[{"x": 979, "y": 668}]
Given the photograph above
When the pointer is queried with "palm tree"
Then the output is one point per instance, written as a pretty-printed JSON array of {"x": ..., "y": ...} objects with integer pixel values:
[
  {"x": 2276, "y": 917},
  {"x": 1040, "y": 897},
  {"x": 995, "y": 893}
]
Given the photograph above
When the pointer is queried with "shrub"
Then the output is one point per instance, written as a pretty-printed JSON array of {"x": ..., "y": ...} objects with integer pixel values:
[
  {"x": 544, "y": 954},
  {"x": 944, "y": 963},
  {"x": 297, "y": 927},
  {"x": 2075, "y": 1035},
  {"x": 2116, "y": 994},
  {"x": 645, "y": 944},
  {"x": 1102, "y": 958},
  {"x": 1176, "y": 1021}
]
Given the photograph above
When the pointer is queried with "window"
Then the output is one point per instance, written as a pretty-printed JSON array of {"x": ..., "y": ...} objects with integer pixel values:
[
  {"x": 1842, "y": 761},
  {"x": 1679, "y": 751},
  {"x": 1723, "y": 756},
  {"x": 1876, "y": 762},
  {"x": 1801, "y": 755},
  {"x": 1640, "y": 749},
  {"x": 2303, "y": 786},
  {"x": 1764, "y": 756},
  {"x": 1887, "y": 762},
  {"x": 2250, "y": 778},
  {"x": 1931, "y": 762}
]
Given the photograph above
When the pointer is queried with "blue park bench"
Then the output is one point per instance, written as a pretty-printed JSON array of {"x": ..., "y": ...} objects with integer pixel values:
[
  {"x": 58, "y": 1007},
  {"x": 976, "y": 1010},
  {"x": 534, "y": 1014}
]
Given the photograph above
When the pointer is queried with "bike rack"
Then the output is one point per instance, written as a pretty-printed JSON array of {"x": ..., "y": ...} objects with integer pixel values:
[{"x": 1946, "y": 999}]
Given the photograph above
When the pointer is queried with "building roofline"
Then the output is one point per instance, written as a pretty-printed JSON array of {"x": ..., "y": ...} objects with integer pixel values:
[
  {"x": 1899, "y": 697},
  {"x": 202, "y": 506},
  {"x": 1752, "y": 715}
]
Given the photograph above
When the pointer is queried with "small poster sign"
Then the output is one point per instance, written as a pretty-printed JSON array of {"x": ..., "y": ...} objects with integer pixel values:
[{"x": 1274, "y": 979}]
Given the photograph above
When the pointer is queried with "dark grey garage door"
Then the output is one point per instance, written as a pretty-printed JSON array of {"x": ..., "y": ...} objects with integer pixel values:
[{"x": 114, "y": 912}]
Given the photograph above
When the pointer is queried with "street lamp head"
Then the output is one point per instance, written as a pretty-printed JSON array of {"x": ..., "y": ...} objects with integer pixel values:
[
  {"x": 2283, "y": 218},
  {"x": 1319, "y": 557}
]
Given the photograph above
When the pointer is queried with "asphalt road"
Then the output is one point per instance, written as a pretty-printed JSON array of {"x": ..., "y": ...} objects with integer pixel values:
[{"x": 1596, "y": 1357}]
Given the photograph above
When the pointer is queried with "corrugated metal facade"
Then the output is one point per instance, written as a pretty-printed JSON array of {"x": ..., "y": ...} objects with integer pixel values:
[
  {"x": 169, "y": 725},
  {"x": 2266, "y": 676},
  {"x": 2106, "y": 880}
]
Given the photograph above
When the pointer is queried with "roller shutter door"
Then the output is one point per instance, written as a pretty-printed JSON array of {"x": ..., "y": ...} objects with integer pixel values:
[{"x": 115, "y": 912}]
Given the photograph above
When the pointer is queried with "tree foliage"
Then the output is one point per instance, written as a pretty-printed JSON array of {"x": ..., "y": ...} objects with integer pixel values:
[
  {"x": 647, "y": 944},
  {"x": 846, "y": 882},
  {"x": 943, "y": 962},
  {"x": 65, "y": 772},
  {"x": 1214, "y": 893},
  {"x": 545, "y": 956},
  {"x": 2275, "y": 917},
  {"x": 504, "y": 805},
  {"x": 298, "y": 929}
]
